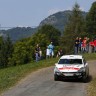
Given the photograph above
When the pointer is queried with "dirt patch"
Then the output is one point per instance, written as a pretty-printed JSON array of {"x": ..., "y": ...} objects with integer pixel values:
[
  {"x": 91, "y": 85},
  {"x": 92, "y": 68}
]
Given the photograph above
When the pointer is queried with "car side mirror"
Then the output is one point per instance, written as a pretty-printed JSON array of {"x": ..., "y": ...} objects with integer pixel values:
[{"x": 86, "y": 63}]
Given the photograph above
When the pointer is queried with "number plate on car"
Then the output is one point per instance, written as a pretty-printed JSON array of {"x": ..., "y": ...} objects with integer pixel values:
[{"x": 68, "y": 74}]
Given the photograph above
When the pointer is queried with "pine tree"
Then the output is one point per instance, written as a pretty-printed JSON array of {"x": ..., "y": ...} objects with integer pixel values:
[
  {"x": 74, "y": 28},
  {"x": 91, "y": 21}
]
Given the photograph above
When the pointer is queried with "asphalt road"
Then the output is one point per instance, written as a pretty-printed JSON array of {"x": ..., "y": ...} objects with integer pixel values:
[{"x": 41, "y": 83}]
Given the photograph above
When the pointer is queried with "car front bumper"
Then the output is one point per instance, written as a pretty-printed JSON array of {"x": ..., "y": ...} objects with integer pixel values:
[{"x": 70, "y": 74}]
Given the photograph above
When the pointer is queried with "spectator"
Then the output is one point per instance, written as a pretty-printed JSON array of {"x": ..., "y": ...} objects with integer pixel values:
[
  {"x": 51, "y": 49},
  {"x": 94, "y": 45},
  {"x": 60, "y": 53},
  {"x": 84, "y": 44},
  {"x": 37, "y": 52},
  {"x": 40, "y": 53},
  {"x": 47, "y": 53},
  {"x": 76, "y": 45},
  {"x": 80, "y": 45},
  {"x": 87, "y": 45}
]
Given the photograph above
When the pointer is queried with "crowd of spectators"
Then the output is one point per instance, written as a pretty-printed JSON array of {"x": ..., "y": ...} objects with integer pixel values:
[
  {"x": 84, "y": 45},
  {"x": 49, "y": 52}
]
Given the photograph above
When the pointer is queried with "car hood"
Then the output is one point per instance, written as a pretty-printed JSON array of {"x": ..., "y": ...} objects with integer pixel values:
[{"x": 69, "y": 68}]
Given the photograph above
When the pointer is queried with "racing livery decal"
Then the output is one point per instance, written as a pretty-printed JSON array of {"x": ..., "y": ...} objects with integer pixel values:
[{"x": 69, "y": 68}]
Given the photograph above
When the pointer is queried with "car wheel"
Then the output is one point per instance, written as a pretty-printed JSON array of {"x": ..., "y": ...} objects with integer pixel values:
[
  {"x": 84, "y": 78},
  {"x": 56, "y": 78}
]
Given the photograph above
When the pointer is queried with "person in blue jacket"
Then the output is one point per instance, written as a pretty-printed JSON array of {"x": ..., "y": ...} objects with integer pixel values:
[{"x": 51, "y": 49}]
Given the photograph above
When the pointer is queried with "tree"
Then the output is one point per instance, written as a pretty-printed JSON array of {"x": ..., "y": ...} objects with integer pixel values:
[
  {"x": 24, "y": 50},
  {"x": 6, "y": 49},
  {"x": 1, "y": 51},
  {"x": 22, "y": 53},
  {"x": 9, "y": 50},
  {"x": 91, "y": 21},
  {"x": 74, "y": 28},
  {"x": 52, "y": 34}
]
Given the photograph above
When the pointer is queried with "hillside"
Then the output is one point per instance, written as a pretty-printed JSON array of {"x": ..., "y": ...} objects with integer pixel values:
[
  {"x": 58, "y": 20},
  {"x": 18, "y": 33}
]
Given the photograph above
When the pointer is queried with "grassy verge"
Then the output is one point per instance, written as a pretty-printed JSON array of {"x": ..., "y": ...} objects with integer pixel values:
[
  {"x": 89, "y": 56},
  {"x": 9, "y": 76}
]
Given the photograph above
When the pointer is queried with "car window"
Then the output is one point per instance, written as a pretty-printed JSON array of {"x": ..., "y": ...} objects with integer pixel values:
[{"x": 70, "y": 61}]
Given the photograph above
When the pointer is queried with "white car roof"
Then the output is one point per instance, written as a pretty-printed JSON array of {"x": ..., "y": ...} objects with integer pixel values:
[{"x": 71, "y": 57}]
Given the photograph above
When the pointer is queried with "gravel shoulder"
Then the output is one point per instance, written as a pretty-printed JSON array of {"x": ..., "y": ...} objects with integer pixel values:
[{"x": 92, "y": 68}]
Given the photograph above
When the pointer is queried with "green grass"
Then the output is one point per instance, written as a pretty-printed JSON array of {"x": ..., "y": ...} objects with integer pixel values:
[
  {"x": 10, "y": 76},
  {"x": 89, "y": 56}
]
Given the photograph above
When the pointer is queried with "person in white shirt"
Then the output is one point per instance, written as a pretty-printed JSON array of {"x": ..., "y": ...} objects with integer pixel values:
[{"x": 47, "y": 52}]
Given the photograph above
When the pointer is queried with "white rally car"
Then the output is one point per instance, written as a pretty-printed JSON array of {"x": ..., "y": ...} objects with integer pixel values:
[{"x": 71, "y": 66}]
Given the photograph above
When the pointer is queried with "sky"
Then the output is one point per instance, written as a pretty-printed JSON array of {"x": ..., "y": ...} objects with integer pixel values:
[{"x": 30, "y": 13}]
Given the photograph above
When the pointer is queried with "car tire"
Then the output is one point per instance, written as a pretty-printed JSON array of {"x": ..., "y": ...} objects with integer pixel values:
[
  {"x": 56, "y": 78},
  {"x": 84, "y": 79}
]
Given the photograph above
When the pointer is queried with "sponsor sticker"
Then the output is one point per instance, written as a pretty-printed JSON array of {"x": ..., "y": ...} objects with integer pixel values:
[{"x": 69, "y": 68}]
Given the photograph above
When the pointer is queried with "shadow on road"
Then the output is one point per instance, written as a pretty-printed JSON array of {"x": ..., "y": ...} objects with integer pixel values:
[{"x": 89, "y": 79}]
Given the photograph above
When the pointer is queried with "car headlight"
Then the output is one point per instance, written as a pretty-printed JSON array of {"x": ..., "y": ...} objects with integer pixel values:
[
  {"x": 56, "y": 69},
  {"x": 82, "y": 69}
]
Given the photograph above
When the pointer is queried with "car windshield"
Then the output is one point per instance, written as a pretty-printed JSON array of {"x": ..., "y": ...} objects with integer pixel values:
[{"x": 70, "y": 61}]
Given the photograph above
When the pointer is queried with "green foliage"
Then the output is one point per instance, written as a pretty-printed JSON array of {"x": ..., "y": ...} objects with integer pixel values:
[
  {"x": 22, "y": 54},
  {"x": 91, "y": 21},
  {"x": 47, "y": 34},
  {"x": 24, "y": 50},
  {"x": 51, "y": 33},
  {"x": 6, "y": 50}
]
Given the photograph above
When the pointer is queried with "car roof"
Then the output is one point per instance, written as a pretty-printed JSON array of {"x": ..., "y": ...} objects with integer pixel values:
[{"x": 71, "y": 57}]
